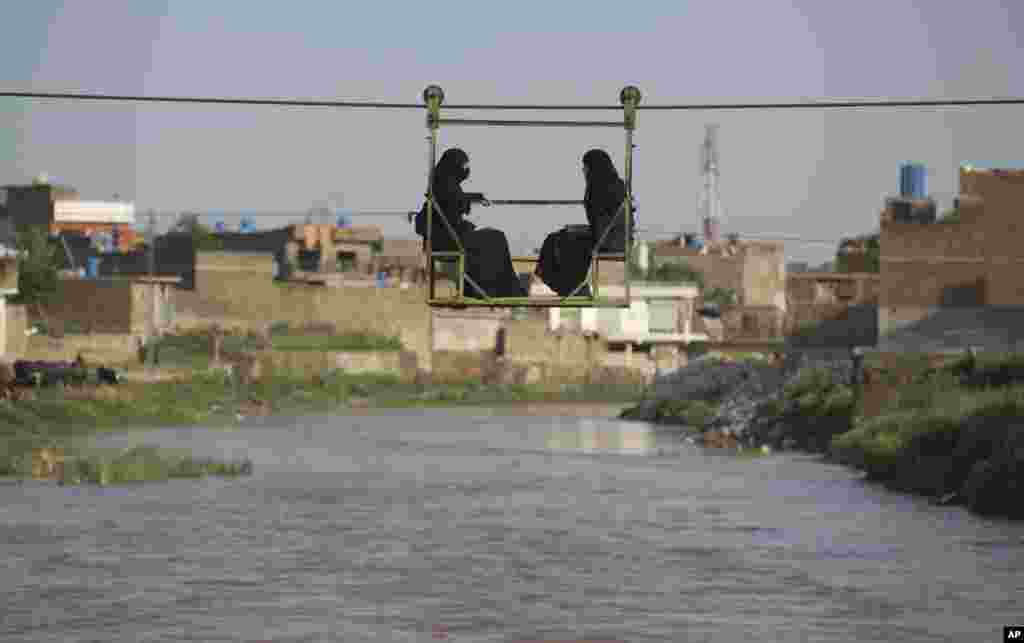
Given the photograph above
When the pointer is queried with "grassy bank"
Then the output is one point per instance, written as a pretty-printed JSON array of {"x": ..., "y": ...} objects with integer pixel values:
[
  {"x": 59, "y": 417},
  {"x": 76, "y": 466},
  {"x": 955, "y": 433}
]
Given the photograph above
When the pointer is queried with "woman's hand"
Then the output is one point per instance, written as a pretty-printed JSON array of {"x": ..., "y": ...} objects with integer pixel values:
[{"x": 485, "y": 203}]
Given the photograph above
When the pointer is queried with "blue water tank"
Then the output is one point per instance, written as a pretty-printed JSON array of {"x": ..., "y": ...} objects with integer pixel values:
[
  {"x": 92, "y": 268},
  {"x": 381, "y": 279},
  {"x": 913, "y": 181}
]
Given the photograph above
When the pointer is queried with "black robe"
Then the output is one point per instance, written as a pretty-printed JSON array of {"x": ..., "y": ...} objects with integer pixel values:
[
  {"x": 566, "y": 254},
  {"x": 488, "y": 259}
]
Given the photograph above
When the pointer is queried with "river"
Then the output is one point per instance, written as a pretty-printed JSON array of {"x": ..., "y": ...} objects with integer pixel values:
[{"x": 475, "y": 525}]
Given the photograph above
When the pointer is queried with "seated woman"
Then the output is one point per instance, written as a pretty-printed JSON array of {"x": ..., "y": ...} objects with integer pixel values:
[
  {"x": 488, "y": 260},
  {"x": 565, "y": 256}
]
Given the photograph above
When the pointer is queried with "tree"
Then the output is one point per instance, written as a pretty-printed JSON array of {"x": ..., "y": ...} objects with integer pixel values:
[
  {"x": 202, "y": 237},
  {"x": 951, "y": 215},
  {"x": 872, "y": 249},
  {"x": 667, "y": 272},
  {"x": 38, "y": 264}
]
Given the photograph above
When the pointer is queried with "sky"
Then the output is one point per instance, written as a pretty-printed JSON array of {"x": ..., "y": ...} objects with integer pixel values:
[{"x": 816, "y": 175}]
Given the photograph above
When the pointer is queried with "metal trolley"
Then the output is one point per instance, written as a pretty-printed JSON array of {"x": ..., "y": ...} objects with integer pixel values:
[{"x": 433, "y": 97}]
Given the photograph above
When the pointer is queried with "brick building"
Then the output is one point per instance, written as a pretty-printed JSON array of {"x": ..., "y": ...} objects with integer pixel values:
[{"x": 949, "y": 284}]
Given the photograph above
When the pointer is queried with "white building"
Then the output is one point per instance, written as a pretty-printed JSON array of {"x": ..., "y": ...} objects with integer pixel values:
[
  {"x": 8, "y": 288},
  {"x": 658, "y": 313}
]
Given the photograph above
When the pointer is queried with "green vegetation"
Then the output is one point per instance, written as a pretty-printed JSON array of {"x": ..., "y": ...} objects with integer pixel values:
[
  {"x": 192, "y": 349},
  {"x": 813, "y": 409},
  {"x": 202, "y": 236},
  {"x": 671, "y": 272},
  {"x": 720, "y": 296},
  {"x": 38, "y": 265},
  {"x": 955, "y": 432},
  {"x": 346, "y": 342},
  {"x": 694, "y": 414},
  {"x": 61, "y": 418},
  {"x": 874, "y": 253}
]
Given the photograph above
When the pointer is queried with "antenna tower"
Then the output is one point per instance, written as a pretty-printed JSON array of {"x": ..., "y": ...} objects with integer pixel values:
[{"x": 709, "y": 203}]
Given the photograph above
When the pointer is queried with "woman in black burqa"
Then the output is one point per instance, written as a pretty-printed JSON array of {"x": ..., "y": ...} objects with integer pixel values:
[
  {"x": 488, "y": 260},
  {"x": 565, "y": 256}
]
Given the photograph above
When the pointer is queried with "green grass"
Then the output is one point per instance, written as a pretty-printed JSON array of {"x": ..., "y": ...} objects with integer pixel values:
[
  {"x": 192, "y": 350},
  {"x": 957, "y": 430},
  {"x": 690, "y": 413},
  {"x": 144, "y": 464},
  {"x": 345, "y": 342},
  {"x": 210, "y": 399}
]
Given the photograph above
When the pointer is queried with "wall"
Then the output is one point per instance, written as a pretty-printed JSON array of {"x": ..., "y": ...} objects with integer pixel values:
[
  {"x": 756, "y": 271},
  {"x": 750, "y": 323},
  {"x": 467, "y": 330},
  {"x": 764, "y": 275},
  {"x": 832, "y": 288},
  {"x": 240, "y": 289},
  {"x": 1001, "y": 194},
  {"x": 720, "y": 271},
  {"x": 101, "y": 306},
  {"x": 832, "y": 309},
  {"x": 107, "y": 348},
  {"x": 838, "y": 324},
  {"x": 15, "y": 324},
  {"x": 149, "y": 314},
  {"x": 310, "y": 363}
]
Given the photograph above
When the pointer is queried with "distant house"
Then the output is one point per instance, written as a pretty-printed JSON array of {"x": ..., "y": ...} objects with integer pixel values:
[
  {"x": 327, "y": 248},
  {"x": 174, "y": 255},
  {"x": 60, "y": 210}
]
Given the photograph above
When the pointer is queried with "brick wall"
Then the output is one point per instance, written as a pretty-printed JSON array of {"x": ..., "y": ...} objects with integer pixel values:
[
  {"x": 752, "y": 322},
  {"x": 240, "y": 290},
  {"x": 832, "y": 288},
  {"x": 100, "y": 306},
  {"x": 756, "y": 271},
  {"x": 1001, "y": 193},
  {"x": 106, "y": 348}
]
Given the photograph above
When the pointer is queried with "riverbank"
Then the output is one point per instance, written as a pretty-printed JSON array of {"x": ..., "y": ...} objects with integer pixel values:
[
  {"x": 955, "y": 433},
  {"x": 57, "y": 417}
]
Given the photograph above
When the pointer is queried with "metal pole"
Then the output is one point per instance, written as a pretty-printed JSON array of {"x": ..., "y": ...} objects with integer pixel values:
[
  {"x": 629, "y": 208},
  {"x": 431, "y": 293},
  {"x": 151, "y": 325}
]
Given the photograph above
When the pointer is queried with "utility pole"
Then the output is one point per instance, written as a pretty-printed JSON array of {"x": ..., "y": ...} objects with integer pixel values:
[{"x": 151, "y": 321}]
